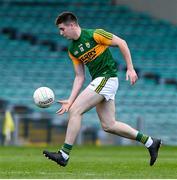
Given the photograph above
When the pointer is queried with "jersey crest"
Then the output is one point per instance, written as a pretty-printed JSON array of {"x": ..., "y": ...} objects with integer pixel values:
[{"x": 87, "y": 44}]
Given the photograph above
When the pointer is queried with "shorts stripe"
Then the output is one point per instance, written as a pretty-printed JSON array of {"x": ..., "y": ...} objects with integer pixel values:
[{"x": 101, "y": 85}]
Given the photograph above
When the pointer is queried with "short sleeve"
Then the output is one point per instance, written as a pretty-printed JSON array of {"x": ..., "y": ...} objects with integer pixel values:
[
  {"x": 74, "y": 59},
  {"x": 102, "y": 37}
]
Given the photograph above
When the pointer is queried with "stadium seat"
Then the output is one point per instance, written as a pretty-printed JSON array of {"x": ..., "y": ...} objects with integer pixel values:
[{"x": 33, "y": 55}]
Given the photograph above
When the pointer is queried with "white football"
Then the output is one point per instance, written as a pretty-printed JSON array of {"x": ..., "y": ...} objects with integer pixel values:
[{"x": 43, "y": 97}]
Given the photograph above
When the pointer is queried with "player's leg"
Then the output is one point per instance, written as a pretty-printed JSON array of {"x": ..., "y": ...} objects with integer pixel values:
[
  {"x": 106, "y": 113},
  {"x": 85, "y": 101}
]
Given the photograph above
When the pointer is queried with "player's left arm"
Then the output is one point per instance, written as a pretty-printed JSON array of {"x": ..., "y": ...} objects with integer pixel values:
[
  {"x": 108, "y": 39},
  {"x": 131, "y": 73}
]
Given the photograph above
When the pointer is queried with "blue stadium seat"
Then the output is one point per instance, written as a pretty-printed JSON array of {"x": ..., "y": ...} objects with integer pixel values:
[{"x": 26, "y": 67}]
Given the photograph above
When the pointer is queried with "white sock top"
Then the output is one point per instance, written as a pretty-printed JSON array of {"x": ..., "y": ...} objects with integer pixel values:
[
  {"x": 65, "y": 156},
  {"x": 149, "y": 142}
]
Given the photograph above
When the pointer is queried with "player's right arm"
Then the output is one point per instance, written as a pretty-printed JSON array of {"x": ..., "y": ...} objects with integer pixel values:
[{"x": 77, "y": 85}]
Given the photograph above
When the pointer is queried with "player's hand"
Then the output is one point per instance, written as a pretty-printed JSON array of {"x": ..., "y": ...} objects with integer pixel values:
[
  {"x": 65, "y": 105},
  {"x": 131, "y": 75}
]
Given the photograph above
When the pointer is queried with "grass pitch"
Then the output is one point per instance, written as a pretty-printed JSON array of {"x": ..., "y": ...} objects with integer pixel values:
[{"x": 88, "y": 162}]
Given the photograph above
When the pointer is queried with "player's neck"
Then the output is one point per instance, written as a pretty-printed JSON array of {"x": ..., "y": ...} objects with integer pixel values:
[{"x": 77, "y": 33}]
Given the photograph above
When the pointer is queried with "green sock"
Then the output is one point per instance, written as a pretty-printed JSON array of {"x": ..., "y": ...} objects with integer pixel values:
[
  {"x": 67, "y": 148},
  {"x": 142, "y": 138}
]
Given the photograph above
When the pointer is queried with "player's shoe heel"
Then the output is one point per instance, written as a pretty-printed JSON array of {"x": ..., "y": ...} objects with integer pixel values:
[{"x": 56, "y": 156}]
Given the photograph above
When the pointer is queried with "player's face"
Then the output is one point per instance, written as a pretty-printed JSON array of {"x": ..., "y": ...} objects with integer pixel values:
[{"x": 66, "y": 30}]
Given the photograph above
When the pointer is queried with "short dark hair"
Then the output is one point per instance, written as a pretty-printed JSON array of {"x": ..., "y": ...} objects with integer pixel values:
[{"x": 66, "y": 17}]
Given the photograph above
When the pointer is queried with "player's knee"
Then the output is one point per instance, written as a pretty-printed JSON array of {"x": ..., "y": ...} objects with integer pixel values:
[
  {"x": 74, "y": 111},
  {"x": 108, "y": 127}
]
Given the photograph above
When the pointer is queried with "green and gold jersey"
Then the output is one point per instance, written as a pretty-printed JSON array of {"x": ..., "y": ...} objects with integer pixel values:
[{"x": 92, "y": 49}]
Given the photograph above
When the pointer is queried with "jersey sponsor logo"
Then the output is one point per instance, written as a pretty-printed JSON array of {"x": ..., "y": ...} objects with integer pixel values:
[{"x": 89, "y": 56}]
